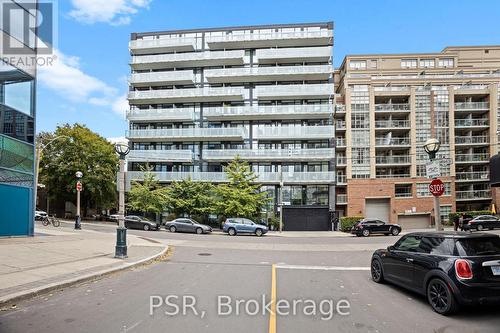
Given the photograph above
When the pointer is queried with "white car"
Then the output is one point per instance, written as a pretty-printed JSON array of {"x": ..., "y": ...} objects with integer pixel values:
[{"x": 40, "y": 215}]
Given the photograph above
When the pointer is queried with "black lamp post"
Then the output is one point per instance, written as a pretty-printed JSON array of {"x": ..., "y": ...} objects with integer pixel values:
[
  {"x": 431, "y": 147},
  {"x": 79, "y": 175},
  {"x": 121, "y": 149}
]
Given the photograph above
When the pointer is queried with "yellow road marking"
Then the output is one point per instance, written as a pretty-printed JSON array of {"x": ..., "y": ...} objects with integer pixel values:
[{"x": 272, "y": 315}]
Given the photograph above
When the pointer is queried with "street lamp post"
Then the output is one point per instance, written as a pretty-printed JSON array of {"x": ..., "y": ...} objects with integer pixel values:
[
  {"x": 431, "y": 147},
  {"x": 78, "y": 221},
  {"x": 281, "y": 199},
  {"x": 121, "y": 149}
]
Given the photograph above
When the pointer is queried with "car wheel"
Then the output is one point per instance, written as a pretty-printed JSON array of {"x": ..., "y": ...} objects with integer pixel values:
[
  {"x": 394, "y": 231},
  {"x": 199, "y": 231},
  {"x": 479, "y": 227},
  {"x": 258, "y": 232},
  {"x": 231, "y": 232},
  {"x": 366, "y": 233},
  {"x": 146, "y": 227},
  {"x": 440, "y": 297},
  {"x": 376, "y": 270},
  {"x": 172, "y": 229}
]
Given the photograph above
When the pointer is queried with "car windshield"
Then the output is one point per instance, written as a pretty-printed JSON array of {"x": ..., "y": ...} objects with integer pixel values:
[{"x": 478, "y": 246}]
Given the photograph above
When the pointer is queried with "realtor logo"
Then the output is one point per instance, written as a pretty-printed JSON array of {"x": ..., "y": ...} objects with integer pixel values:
[{"x": 27, "y": 25}]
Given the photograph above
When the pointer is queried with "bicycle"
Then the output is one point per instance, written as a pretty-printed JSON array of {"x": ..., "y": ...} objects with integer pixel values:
[{"x": 51, "y": 219}]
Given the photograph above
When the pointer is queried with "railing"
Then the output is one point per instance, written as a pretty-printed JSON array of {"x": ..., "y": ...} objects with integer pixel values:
[
  {"x": 434, "y": 76},
  {"x": 471, "y": 139},
  {"x": 390, "y": 89},
  {"x": 186, "y": 93},
  {"x": 396, "y": 175},
  {"x": 264, "y": 110},
  {"x": 482, "y": 157},
  {"x": 340, "y": 108},
  {"x": 341, "y": 179},
  {"x": 275, "y": 70},
  {"x": 160, "y": 114},
  {"x": 397, "y": 159},
  {"x": 480, "y": 175},
  {"x": 274, "y": 154},
  {"x": 161, "y": 42},
  {"x": 209, "y": 56},
  {"x": 340, "y": 124},
  {"x": 471, "y": 122},
  {"x": 303, "y": 52},
  {"x": 171, "y": 76},
  {"x": 295, "y": 90},
  {"x": 392, "y": 107},
  {"x": 341, "y": 198},
  {"x": 392, "y": 123},
  {"x": 468, "y": 195},
  {"x": 340, "y": 142},
  {"x": 472, "y": 106},
  {"x": 160, "y": 155},
  {"x": 341, "y": 160},
  {"x": 294, "y": 132},
  {"x": 259, "y": 35},
  {"x": 172, "y": 133},
  {"x": 392, "y": 141}
]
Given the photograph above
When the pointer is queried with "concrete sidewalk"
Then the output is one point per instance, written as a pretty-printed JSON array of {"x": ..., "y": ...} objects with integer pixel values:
[{"x": 55, "y": 258}]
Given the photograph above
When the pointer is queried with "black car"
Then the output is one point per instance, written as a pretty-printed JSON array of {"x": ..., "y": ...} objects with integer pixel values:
[
  {"x": 139, "y": 222},
  {"x": 482, "y": 222},
  {"x": 449, "y": 268},
  {"x": 366, "y": 227}
]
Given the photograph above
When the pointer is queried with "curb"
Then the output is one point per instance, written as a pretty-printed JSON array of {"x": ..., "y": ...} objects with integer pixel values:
[{"x": 22, "y": 295}]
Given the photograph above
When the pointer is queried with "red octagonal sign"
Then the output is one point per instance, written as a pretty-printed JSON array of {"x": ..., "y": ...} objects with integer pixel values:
[
  {"x": 436, "y": 187},
  {"x": 79, "y": 186}
]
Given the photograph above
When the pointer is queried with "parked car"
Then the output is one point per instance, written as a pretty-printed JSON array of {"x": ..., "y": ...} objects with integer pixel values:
[
  {"x": 40, "y": 215},
  {"x": 236, "y": 225},
  {"x": 140, "y": 222},
  {"x": 366, "y": 227},
  {"x": 449, "y": 268},
  {"x": 113, "y": 218},
  {"x": 482, "y": 222},
  {"x": 187, "y": 225}
]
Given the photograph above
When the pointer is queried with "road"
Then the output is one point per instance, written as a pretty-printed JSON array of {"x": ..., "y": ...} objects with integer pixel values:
[{"x": 223, "y": 274}]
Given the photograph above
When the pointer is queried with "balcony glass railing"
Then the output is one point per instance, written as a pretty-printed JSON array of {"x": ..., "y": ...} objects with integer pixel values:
[
  {"x": 392, "y": 123},
  {"x": 340, "y": 142},
  {"x": 295, "y": 91},
  {"x": 472, "y": 106},
  {"x": 160, "y": 114},
  {"x": 402, "y": 159},
  {"x": 161, "y": 43},
  {"x": 171, "y": 76},
  {"x": 471, "y": 122},
  {"x": 392, "y": 141},
  {"x": 324, "y": 52},
  {"x": 393, "y": 107},
  {"x": 268, "y": 154},
  {"x": 261, "y": 35},
  {"x": 190, "y": 57},
  {"x": 341, "y": 179},
  {"x": 340, "y": 124},
  {"x": 265, "y": 110},
  {"x": 294, "y": 132},
  {"x": 460, "y": 140},
  {"x": 185, "y": 93},
  {"x": 482, "y": 157},
  {"x": 264, "y": 71},
  {"x": 478, "y": 175},
  {"x": 394, "y": 175},
  {"x": 471, "y": 195},
  {"x": 160, "y": 155},
  {"x": 391, "y": 89},
  {"x": 341, "y": 160},
  {"x": 172, "y": 133}
]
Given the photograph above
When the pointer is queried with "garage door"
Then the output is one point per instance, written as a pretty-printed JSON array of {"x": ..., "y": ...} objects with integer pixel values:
[
  {"x": 306, "y": 218},
  {"x": 414, "y": 221},
  {"x": 378, "y": 209}
]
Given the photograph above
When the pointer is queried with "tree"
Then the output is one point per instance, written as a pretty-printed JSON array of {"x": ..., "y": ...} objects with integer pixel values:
[
  {"x": 84, "y": 151},
  {"x": 241, "y": 196},
  {"x": 148, "y": 196},
  {"x": 191, "y": 198}
]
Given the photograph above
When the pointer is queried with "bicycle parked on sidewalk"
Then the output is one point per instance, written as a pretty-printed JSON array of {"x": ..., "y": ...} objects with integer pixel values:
[{"x": 51, "y": 219}]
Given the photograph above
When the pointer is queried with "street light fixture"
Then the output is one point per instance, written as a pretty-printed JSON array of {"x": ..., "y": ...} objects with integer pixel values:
[
  {"x": 431, "y": 147},
  {"x": 78, "y": 175},
  {"x": 121, "y": 149}
]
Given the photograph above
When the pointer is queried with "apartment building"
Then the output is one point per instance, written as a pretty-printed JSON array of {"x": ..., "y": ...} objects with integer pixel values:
[
  {"x": 199, "y": 98},
  {"x": 389, "y": 105}
]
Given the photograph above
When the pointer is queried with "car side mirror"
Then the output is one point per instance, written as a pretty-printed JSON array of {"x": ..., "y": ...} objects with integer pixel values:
[{"x": 390, "y": 248}]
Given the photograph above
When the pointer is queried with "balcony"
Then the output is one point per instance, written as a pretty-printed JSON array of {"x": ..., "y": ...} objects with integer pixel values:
[
  {"x": 186, "y": 95},
  {"x": 155, "y": 115},
  {"x": 160, "y": 156},
  {"x": 341, "y": 180},
  {"x": 339, "y": 108},
  {"x": 398, "y": 108},
  {"x": 392, "y": 175},
  {"x": 392, "y": 124},
  {"x": 319, "y": 154},
  {"x": 296, "y": 91},
  {"x": 341, "y": 199},
  {"x": 162, "y": 45},
  {"x": 340, "y": 125},
  {"x": 293, "y": 132},
  {"x": 472, "y": 158},
  {"x": 340, "y": 142},
  {"x": 260, "y": 39},
  {"x": 341, "y": 161},
  {"x": 393, "y": 160},
  {"x": 189, "y": 134},
  {"x": 464, "y": 123},
  {"x": 304, "y": 111},
  {"x": 191, "y": 59},
  {"x": 473, "y": 195},
  {"x": 161, "y": 78},
  {"x": 471, "y": 140},
  {"x": 290, "y": 55},
  {"x": 390, "y": 89},
  {"x": 391, "y": 142},
  {"x": 472, "y": 106},
  {"x": 275, "y": 73},
  {"x": 472, "y": 176}
]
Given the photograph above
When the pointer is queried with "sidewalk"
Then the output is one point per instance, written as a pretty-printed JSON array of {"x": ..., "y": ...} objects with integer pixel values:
[{"x": 55, "y": 258}]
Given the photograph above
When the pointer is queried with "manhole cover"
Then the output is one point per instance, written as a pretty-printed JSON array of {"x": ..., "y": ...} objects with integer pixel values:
[{"x": 204, "y": 254}]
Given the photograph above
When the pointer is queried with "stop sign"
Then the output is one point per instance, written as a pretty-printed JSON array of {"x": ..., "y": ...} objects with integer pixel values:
[
  {"x": 436, "y": 187},
  {"x": 78, "y": 186}
]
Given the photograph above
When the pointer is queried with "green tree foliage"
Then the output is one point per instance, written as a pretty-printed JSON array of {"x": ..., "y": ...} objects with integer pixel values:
[
  {"x": 240, "y": 197},
  {"x": 191, "y": 198},
  {"x": 148, "y": 196},
  {"x": 87, "y": 152}
]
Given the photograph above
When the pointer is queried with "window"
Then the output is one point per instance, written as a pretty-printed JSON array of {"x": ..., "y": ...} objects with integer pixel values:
[
  {"x": 403, "y": 190},
  {"x": 445, "y": 62},
  {"x": 357, "y": 64},
  {"x": 427, "y": 63},
  {"x": 408, "y": 243},
  {"x": 373, "y": 63},
  {"x": 436, "y": 245},
  {"x": 445, "y": 213},
  {"x": 408, "y": 63}
]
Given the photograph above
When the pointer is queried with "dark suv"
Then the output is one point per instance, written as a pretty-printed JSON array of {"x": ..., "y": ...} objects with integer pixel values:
[{"x": 449, "y": 268}]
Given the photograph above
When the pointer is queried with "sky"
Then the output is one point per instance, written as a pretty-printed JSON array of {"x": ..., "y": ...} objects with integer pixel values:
[{"x": 88, "y": 81}]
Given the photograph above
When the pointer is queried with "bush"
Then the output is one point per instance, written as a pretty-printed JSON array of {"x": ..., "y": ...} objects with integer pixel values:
[
  {"x": 347, "y": 222},
  {"x": 455, "y": 216}
]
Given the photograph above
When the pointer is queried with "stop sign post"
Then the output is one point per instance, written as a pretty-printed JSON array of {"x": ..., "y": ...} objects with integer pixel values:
[{"x": 436, "y": 187}]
